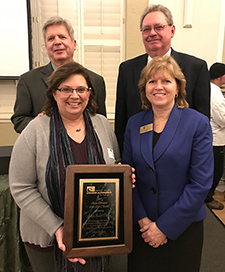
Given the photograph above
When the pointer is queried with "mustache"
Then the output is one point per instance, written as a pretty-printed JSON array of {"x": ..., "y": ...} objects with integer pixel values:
[{"x": 152, "y": 39}]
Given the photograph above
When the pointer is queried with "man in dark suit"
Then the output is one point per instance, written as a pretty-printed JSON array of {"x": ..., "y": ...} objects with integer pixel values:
[
  {"x": 32, "y": 86},
  {"x": 157, "y": 32}
]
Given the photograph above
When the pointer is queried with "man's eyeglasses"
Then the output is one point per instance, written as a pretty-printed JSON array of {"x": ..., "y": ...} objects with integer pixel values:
[
  {"x": 68, "y": 90},
  {"x": 157, "y": 28}
]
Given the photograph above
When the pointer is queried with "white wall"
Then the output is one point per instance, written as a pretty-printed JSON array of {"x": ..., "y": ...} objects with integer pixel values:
[
  {"x": 205, "y": 38},
  {"x": 14, "y": 49}
]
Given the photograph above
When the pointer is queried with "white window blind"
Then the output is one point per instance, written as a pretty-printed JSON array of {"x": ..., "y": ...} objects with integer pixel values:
[
  {"x": 99, "y": 32},
  {"x": 41, "y": 10},
  {"x": 102, "y": 43}
]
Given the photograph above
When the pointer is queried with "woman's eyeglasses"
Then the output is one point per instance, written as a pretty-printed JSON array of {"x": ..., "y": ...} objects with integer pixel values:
[{"x": 68, "y": 90}]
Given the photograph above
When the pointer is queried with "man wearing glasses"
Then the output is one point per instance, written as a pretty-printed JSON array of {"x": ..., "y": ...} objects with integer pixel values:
[{"x": 157, "y": 29}]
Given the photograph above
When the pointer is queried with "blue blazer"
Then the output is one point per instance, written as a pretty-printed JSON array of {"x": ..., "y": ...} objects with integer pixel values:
[{"x": 173, "y": 179}]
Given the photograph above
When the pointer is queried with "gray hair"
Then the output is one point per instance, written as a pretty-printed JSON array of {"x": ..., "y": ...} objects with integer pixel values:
[
  {"x": 56, "y": 20},
  {"x": 152, "y": 8}
]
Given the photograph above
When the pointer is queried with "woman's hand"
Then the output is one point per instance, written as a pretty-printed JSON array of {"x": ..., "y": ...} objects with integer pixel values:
[
  {"x": 151, "y": 233},
  {"x": 133, "y": 177},
  {"x": 59, "y": 239},
  {"x": 40, "y": 114},
  {"x": 144, "y": 222}
]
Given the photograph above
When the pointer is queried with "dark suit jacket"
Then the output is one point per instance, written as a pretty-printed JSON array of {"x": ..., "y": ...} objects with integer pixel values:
[
  {"x": 173, "y": 179},
  {"x": 128, "y": 101},
  {"x": 31, "y": 95}
]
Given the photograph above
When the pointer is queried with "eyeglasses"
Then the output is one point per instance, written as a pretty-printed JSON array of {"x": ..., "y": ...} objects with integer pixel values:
[
  {"x": 68, "y": 90},
  {"x": 157, "y": 28}
]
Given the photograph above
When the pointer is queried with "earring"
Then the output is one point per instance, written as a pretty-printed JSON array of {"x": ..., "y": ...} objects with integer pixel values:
[{"x": 176, "y": 95}]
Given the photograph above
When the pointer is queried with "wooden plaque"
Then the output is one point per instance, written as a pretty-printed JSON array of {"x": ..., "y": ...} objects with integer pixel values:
[{"x": 98, "y": 210}]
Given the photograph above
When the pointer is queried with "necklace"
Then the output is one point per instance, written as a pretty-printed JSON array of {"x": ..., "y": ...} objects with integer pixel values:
[{"x": 71, "y": 126}]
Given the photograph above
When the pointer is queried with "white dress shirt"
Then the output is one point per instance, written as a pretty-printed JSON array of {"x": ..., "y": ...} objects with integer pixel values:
[
  {"x": 167, "y": 53},
  {"x": 217, "y": 118}
]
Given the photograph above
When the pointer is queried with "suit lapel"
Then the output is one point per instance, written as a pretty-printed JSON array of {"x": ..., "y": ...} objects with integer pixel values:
[
  {"x": 146, "y": 138},
  {"x": 151, "y": 156},
  {"x": 168, "y": 133},
  {"x": 46, "y": 72},
  {"x": 177, "y": 58},
  {"x": 138, "y": 66}
]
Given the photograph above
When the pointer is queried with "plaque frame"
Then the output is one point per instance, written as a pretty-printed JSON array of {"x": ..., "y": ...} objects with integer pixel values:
[{"x": 121, "y": 176}]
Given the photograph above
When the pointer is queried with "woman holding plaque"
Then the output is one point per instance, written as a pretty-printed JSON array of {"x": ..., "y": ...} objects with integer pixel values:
[
  {"x": 170, "y": 147},
  {"x": 69, "y": 133}
]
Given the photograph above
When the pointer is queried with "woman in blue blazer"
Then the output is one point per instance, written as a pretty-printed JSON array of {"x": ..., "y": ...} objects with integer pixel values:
[{"x": 170, "y": 146}]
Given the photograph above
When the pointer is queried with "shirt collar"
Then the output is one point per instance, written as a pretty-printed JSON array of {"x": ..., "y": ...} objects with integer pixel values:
[
  {"x": 167, "y": 53},
  {"x": 53, "y": 66},
  {"x": 215, "y": 86}
]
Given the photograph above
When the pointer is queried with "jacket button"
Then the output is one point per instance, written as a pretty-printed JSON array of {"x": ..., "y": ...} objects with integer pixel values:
[{"x": 153, "y": 190}]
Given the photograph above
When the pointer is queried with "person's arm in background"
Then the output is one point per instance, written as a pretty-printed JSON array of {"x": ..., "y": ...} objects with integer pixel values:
[
  {"x": 202, "y": 91},
  {"x": 218, "y": 110},
  {"x": 101, "y": 96},
  {"x": 197, "y": 81},
  {"x": 120, "y": 110},
  {"x": 23, "y": 107},
  {"x": 30, "y": 96}
]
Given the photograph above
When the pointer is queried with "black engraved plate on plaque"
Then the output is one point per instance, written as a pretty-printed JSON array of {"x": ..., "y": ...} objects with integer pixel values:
[{"x": 99, "y": 210}]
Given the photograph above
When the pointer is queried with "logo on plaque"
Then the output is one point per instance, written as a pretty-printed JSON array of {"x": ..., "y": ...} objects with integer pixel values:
[{"x": 90, "y": 189}]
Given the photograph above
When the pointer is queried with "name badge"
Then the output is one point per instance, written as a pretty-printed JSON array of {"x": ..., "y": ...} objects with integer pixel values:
[
  {"x": 110, "y": 153},
  {"x": 146, "y": 128}
]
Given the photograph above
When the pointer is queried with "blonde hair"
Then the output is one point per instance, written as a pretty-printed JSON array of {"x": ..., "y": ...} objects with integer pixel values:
[{"x": 166, "y": 63}]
